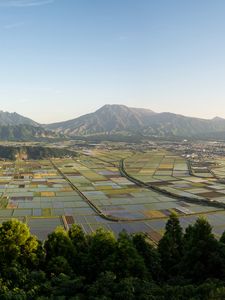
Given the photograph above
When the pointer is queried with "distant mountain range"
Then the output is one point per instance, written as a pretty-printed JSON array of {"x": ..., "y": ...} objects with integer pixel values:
[
  {"x": 15, "y": 119},
  {"x": 109, "y": 119},
  {"x": 120, "y": 119},
  {"x": 113, "y": 120},
  {"x": 16, "y": 127}
]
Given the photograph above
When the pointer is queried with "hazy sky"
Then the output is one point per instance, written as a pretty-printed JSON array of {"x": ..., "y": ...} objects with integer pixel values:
[{"x": 63, "y": 58}]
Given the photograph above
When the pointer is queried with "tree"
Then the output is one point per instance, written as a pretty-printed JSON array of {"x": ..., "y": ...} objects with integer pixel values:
[
  {"x": 59, "y": 244},
  {"x": 101, "y": 248},
  {"x": 128, "y": 262},
  {"x": 58, "y": 265},
  {"x": 202, "y": 259},
  {"x": 59, "y": 249},
  {"x": 217, "y": 294},
  {"x": 222, "y": 238},
  {"x": 79, "y": 240},
  {"x": 150, "y": 255},
  {"x": 171, "y": 247},
  {"x": 103, "y": 287},
  {"x": 16, "y": 243}
]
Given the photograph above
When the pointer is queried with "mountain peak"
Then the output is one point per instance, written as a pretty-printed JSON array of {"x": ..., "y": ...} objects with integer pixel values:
[
  {"x": 112, "y": 107},
  {"x": 108, "y": 119},
  {"x": 117, "y": 119},
  {"x": 14, "y": 119},
  {"x": 218, "y": 119},
  {"x": 123, "y": 108},
  {"x": 106, "y": 106}
]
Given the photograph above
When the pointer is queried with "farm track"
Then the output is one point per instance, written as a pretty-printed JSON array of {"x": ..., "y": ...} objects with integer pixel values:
[
  {"x": 99, "y": 212},
  {"x": 94, "y": 207},
  {"x": 140, "y": 183},
  {"x": 155, "y": 189},
  {"x": 191, "y": 173},
  {"x": 90, "y": 203}
]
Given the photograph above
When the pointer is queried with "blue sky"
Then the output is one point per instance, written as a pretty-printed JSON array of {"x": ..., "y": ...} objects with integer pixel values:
[{"x": 63, "y": 58}]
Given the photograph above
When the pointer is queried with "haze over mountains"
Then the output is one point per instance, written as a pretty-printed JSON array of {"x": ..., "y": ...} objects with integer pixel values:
[{"x": 113, "y": 120}]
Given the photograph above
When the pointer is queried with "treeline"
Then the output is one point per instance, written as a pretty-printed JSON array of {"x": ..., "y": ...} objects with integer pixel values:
[
  {"x": 8, "y": 152},
  {"x": 25, "y": 132},
  {"x": 33, "y": 152},
  {"x": 38, "y": 152},
  {"x": 75, "y": 266}
]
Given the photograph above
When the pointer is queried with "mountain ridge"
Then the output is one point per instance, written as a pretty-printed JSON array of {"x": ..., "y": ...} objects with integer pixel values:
[
  {"x": 14, "y": 126},
  {"x": 114, "y": 119},
  {"x": 108, "y": 118},
  {"x": 7, "y": 118}
]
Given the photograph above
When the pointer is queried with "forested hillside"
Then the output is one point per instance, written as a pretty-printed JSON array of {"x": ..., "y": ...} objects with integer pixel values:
[
  {"x": 72, "y": 265},
  {"x": 32, "y": 152},
  {"x": 24, "y": 132}
]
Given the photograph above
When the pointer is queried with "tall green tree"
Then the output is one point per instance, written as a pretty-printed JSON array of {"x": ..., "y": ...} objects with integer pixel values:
[
  {"x": 17, "y": 244},
  {"x": 171, "y": 247},
  {"x": 80, "y": 242},
  {"x": 101, "y": 248},
  {"x": 202, "y": 257},
  {"x": 128, "y": 262},
  {"x": 60, "y": 251},
  {"x": 78, "y": 238},
  {"x": 149, "y": 254}
]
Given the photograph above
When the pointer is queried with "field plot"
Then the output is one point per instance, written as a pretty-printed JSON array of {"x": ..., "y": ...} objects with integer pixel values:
[
  {"x": 116, "y": 196},
  {"x": 35, "y": 191},
  {"x": 219, "y": 168},
  {"x": 110, "y": 156},
  {"x": 169, "y": 173},
  {"x": 201, "y": 169},
  {"x": 216, "y": 219},
  {"x": 61, "y": 192}
]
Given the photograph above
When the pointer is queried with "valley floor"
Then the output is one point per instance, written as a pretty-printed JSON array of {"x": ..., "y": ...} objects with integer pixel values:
[{"x": 93, "y": 191}]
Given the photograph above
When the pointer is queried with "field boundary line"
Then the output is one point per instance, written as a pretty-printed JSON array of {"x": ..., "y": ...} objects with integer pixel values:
[{"x": 205, "y": 202}]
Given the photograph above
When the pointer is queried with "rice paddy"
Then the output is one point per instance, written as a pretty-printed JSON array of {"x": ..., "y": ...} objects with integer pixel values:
[
  {"x": 171, "y": 173},
  {"x": 90, "y": 191}
]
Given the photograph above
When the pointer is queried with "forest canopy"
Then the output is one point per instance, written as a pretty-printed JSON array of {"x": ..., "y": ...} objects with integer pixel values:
[
  {"x": 74, "y": 265},
  {"x": 32, "y": 152}
]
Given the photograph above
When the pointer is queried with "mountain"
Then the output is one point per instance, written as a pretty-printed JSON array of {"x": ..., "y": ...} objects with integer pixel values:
[
  {"x": 120, "y": 119},
  {"x": 14, "y": 119},
  {"x": 109, "y": 119},
  {"x": 16, "y": 127},
  {"x": 25, "y": 132},
  {"x": 115, "y": 121},
  {"x": 169, "y": 124}
]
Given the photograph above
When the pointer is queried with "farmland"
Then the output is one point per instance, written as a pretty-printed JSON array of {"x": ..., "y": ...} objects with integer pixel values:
[
  {"x": 172, "y": 174},
  {"x": 92, "y": 191}
]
